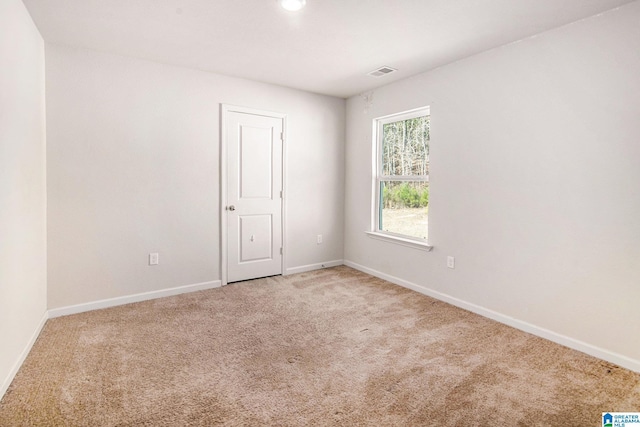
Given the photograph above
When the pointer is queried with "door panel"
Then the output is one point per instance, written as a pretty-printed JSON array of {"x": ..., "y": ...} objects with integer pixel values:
[
  {"x": 256, "y": 237},
  {"x": 256, "y": 173},
  {"x": 254, "y": 203}
]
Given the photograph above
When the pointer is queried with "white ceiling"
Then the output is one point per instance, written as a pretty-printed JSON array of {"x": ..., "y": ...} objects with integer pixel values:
[{"x": 328, "y": 47}]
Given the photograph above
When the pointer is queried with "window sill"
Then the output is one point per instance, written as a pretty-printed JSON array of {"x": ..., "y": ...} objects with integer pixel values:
[{"x": 400, "y": 241}]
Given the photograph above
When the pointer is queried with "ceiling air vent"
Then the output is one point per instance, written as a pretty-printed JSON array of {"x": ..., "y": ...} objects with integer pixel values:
[{"x": 381, "y": 71}]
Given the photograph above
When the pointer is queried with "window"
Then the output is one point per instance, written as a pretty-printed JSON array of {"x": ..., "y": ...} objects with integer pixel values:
[{"x": 402, "y": 176}]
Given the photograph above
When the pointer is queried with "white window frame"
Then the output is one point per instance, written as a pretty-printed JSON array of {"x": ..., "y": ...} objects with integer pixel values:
[{"x": 376, "y": 232}]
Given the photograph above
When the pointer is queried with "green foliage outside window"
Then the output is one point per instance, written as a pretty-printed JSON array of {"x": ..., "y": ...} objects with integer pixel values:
[{"x": 405, "y": 195}]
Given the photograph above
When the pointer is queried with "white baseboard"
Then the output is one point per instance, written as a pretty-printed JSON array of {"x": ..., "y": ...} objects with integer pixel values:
[
  {"x": 112, "y": 302},
  {"x": 600, "y": 353},
  {"x": 7, "y": 381},
  {"x": 311, "y": 267}
]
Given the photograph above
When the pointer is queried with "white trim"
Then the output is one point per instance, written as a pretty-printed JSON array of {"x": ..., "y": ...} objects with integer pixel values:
[
  {"x": 113, "y": 302},
  {"x": 224, "y": 110},
  {"x": 404, "y": 178},
  {"x": 600, "y": 353},
  {"x": 404, "y": 115},
  {"x": 285, "y": 134},
  {"x": 311, "y": 267},
  {"x": 16, "y": 366},
  {"x": 403, "y": 241}
]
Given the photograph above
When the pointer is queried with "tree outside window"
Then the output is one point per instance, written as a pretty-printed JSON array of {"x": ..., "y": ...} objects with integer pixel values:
[{"x": 402, "y": 179}]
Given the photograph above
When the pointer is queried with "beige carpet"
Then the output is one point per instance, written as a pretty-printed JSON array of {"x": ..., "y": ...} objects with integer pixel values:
[{"x": 329, "y": 347}]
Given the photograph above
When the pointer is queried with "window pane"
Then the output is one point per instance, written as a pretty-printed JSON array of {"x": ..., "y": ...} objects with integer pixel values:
[
  {"x": 405, "y": 147},
  {"x": 403, "y": 207}
]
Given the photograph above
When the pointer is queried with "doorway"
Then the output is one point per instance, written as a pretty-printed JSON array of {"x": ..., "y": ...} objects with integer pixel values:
[{"x": 251, "y": 193}]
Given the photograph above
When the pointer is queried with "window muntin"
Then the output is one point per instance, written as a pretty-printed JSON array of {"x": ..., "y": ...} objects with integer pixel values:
[{"x": 402, "y": 175}]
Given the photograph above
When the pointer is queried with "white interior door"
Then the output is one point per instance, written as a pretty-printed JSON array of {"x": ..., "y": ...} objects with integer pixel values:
[{"x": 254, "y": 195}]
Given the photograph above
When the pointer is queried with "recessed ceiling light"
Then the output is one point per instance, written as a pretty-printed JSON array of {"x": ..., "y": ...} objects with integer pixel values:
[{"x": 292, "y": 5}]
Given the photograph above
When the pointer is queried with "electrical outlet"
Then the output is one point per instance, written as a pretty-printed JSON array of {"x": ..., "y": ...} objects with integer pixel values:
[
  {"x": 154, "y": 258},
  {"x": 451, "y": 262},
  {"x": 319, "y": 238}
]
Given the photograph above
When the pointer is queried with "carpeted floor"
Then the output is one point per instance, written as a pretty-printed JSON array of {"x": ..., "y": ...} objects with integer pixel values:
[{"x": 328, "y": 347}]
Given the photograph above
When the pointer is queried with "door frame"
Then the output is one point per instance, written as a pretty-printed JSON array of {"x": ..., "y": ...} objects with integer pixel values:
[{"x": 225, "y": 109}]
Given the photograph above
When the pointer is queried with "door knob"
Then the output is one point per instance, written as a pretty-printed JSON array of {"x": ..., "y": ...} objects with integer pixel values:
[{"x": 232, "y": 208}]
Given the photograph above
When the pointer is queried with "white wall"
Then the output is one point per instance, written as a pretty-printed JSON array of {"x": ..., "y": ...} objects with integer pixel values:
[
  {"x": 535, "y": 184},
  {"x": 133, "y": 168},
  {"x": 23, "y": 265}
]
